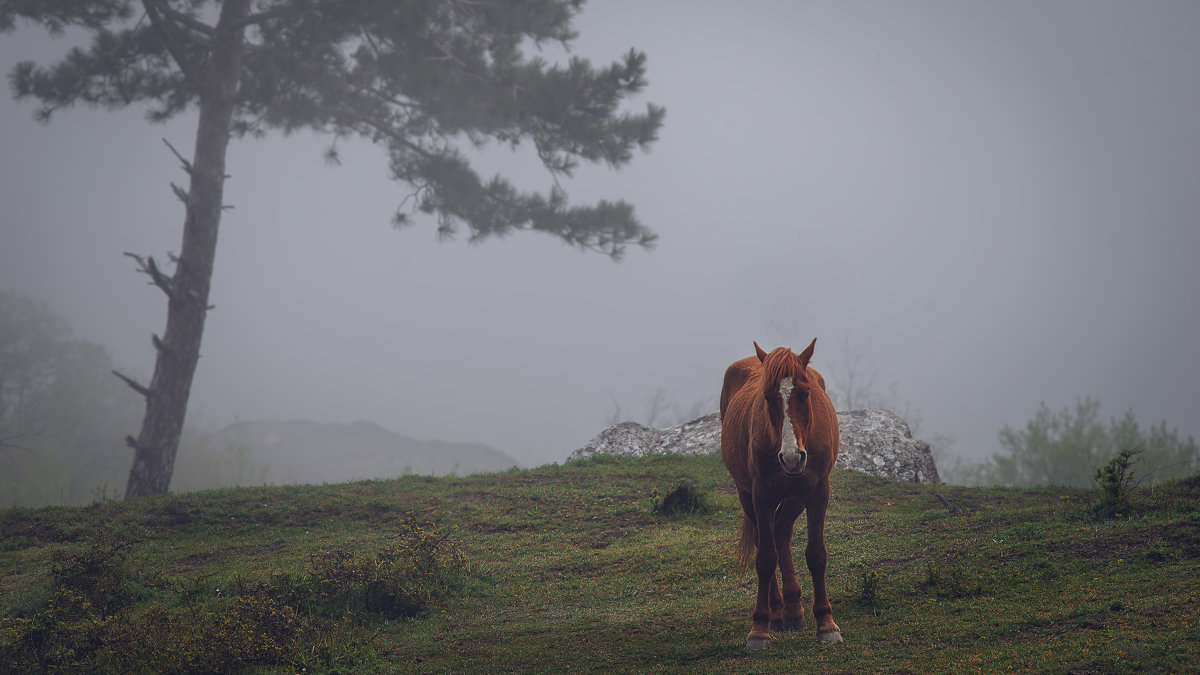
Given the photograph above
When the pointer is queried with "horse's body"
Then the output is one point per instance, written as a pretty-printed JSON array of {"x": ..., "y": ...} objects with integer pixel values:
[{"x": 779, "y": 440}]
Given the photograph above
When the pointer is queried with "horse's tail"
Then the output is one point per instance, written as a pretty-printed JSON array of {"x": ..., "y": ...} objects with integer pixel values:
[{"x": 747, "y": 542}]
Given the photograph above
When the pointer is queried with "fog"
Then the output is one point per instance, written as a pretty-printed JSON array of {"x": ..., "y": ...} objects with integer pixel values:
[{"x": 993, "y": 204}]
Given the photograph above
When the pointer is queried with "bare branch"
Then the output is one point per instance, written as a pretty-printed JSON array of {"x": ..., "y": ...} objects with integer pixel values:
[
  {"x": 180, "y": 193},
  {"x": 7, "y": 442},
  {"x": 131, "y": 442},
  {"x": 187, "y": 166},
  {"x": 946, "y": 502},
  {"x": 158, "y": 343},
  {"x": 133, "y": 384},
  {"x": 150, "y": 268}
]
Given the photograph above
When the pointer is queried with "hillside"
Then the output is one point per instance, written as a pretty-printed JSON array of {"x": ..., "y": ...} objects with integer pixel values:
[
  {"x": 302, "y": 451},
  {"x": 568, "y": 569}
]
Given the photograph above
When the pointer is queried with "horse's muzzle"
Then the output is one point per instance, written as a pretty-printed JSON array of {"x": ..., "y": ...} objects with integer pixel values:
[{"x": 793, "y": 462}]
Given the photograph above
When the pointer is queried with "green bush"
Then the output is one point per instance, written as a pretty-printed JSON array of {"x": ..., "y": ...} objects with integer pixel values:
[
  {"x": 87, "y": 590},
  {"x": 868, "y": 593},
  {"x": 399, "y": 581},
  {"x": 685, "y": 499}
]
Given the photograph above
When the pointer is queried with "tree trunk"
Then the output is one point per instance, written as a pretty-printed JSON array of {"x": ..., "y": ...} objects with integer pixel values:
[{"x": 179, "y": 348}]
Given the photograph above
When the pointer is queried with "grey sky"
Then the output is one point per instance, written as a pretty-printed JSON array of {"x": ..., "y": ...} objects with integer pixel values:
[{"x": 997, "y": 202}]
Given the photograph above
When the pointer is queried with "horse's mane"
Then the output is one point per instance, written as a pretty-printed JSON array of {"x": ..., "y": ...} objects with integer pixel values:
[{"x": 780, "y": 363}]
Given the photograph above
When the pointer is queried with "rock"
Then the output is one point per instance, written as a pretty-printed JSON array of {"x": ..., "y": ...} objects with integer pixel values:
[
  {"x": 701, "y": 436},
  {"x": 880, "y": 443},
  {"x": 877, "y": 442}
]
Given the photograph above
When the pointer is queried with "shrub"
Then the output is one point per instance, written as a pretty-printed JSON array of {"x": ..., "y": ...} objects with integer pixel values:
[
  {"x": 399, "y": 581},
  {"x": 87, "y": 589},
  {"x": 1114, "y": 481},
  {"x": 949, "y": 580},
  {"x": 96, "y": 576},
  {"x": 684, "y": 500},
  {"x": 88, "y": 620},
  {"x": 868, "y": 593}
]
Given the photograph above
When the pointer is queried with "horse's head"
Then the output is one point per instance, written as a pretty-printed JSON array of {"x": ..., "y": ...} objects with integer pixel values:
[{"x": 786, "y": 388}]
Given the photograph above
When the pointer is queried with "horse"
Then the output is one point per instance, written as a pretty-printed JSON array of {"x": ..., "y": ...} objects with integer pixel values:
[{"x": 779, "y": 440}]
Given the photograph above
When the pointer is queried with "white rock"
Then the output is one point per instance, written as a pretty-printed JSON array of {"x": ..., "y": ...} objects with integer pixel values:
[{"x": 877, "y": 442}]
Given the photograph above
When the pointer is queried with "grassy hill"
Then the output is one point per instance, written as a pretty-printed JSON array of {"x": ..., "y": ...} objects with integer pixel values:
[{"x": 570, "y": 569}]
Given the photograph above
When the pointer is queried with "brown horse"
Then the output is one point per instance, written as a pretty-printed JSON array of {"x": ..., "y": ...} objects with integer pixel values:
[{"x": 779, "y": 439}]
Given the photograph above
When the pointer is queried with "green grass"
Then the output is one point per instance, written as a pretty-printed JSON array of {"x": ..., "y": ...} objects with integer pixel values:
[{"x": 571, "y": 569}]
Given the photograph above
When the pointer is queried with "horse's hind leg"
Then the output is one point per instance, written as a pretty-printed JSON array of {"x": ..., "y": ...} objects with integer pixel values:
[
  {"x": 815, "y": 555},
  {"x": 787, "y": 613}
]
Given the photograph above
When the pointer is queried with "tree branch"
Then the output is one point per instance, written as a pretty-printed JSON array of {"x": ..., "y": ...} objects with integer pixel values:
[
  {"x": 156, "y": 10},
  {"x": 260, "y": 17},
  {"x": 133, "y": 384},
  {"x": 150, "y": 268},
  {"x": 184, "y": 19},
  {"x": 187, "y": 166},
  {"x": 7, "y": 442}
]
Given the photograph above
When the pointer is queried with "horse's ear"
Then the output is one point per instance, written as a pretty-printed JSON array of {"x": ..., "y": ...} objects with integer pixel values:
[
  {"x": 806, "y": 355},
  {"x": 762, "y": 356}
]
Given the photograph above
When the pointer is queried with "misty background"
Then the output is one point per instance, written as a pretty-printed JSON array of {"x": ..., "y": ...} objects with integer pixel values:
[{"x": 986, "y": 205}]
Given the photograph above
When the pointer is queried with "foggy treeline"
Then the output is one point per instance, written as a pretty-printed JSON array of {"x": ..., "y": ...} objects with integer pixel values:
[
  {"x": 1056, "y": 447},
  {"x": 64, "y": 418}
]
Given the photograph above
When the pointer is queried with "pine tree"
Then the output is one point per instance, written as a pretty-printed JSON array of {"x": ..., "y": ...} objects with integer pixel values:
[{"x": 419, "y": 78}]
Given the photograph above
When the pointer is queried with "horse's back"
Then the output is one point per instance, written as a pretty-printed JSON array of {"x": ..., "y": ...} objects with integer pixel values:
[
  {"x": 736, "y": 376},
  {"x": 819, "y": 377},
  {"x": 735, "y": 413}
]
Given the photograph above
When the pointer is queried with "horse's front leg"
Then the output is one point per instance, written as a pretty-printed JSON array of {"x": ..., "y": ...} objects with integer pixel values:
[
  {"x": 790, "y": 614},
  {"x": 815, "y": 555},
  {"x": 765, "y": 562}
]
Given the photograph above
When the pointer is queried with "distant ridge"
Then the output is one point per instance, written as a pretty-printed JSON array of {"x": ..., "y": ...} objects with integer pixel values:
[{"x": 303, "y": 451}]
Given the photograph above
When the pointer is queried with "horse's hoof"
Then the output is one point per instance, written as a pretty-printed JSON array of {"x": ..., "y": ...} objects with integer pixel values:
[
  {"x": 786, "y": 623},
  {"x": 757, "y": 643},
  {"x": 830, "y": 636}
]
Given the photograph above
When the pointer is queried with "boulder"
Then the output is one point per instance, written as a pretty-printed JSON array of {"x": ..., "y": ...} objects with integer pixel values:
[
  {"x": 880, "y": 443},
  {"x": 701, "y": 436},
  {"x": 877, "y": 442}
]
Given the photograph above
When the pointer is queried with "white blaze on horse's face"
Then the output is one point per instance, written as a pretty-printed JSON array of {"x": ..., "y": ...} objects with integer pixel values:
[{"x": 792, "y": 455}]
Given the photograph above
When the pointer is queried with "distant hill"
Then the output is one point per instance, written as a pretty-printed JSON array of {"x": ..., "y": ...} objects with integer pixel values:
[{"x": 302, "y": 451}]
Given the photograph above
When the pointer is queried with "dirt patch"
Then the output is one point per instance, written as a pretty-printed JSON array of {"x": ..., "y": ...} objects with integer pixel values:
[
  {"x": 171, "y": 514},
  {"x": 192, "y": 561},
  {"x": 576, "y": 571},
  {"x": 38, "y": 529}
]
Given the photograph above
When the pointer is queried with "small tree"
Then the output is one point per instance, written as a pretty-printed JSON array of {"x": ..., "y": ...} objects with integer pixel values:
[
  {"x": 1114, "y": 482},
  {"x": 419, "y": 78}
]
